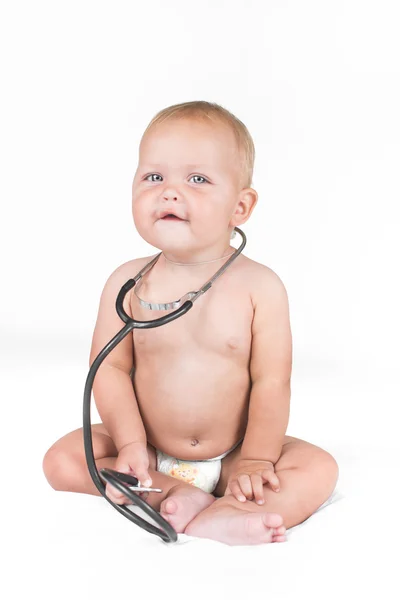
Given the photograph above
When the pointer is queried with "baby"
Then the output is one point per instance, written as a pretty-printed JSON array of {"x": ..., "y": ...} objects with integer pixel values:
[{"x": 199, "y": 407}]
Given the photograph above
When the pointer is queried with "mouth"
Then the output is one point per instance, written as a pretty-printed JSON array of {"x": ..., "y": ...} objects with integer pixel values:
[{"x": 171, "y": 218}]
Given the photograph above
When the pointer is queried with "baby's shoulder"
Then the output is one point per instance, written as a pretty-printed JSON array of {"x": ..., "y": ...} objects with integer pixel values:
[
  {"x": 131, "y": 268},
  {"x": 122, "y": 274},
  {"x": 260, "y": 279},
  {"x": 258, "y": 272}
]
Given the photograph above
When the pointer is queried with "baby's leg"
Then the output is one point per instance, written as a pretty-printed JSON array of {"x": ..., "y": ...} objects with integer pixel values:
[{"x": 65, "y": 467}]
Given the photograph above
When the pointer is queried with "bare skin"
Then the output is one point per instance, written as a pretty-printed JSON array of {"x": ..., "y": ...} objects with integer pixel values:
[
  {"x": 232, "y": 526},
  {"x": 210, "y": 345},
  {"x": 227, "y": 381},
  {"x": 307, "y": 475},
  {"x": 191, "y": 510},
  {"x": 192, "y": 378}
]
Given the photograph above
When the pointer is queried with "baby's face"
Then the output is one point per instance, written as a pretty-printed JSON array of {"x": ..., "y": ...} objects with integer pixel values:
[{"x": 193, "y": 170}]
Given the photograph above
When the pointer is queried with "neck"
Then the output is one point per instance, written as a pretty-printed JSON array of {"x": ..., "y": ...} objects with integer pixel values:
[
  {"x": 206, "y": 262},
  {"x": 209, "y": 261}
]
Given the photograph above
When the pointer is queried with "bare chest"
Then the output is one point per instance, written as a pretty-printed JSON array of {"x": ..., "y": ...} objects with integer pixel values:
[
  {"x": 219, "y": 323},
  {"x": 192, "y": 374}
]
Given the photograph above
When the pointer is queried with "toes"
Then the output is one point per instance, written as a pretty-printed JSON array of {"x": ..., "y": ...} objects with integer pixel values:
[
  {"x": 272, "y": 520},
  {"x": 279, "y": 534},
  {"x": 279, "y": 538},
  {"x": 168, "y": 506},
  {"x": 280, "y": 530}
]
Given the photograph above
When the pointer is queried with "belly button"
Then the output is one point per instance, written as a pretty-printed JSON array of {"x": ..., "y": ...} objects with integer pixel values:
[{"x": 194, "y": 442}]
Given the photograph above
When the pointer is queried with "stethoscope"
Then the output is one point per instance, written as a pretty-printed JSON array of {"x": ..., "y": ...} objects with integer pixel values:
[{"x": 124, "y": 483}]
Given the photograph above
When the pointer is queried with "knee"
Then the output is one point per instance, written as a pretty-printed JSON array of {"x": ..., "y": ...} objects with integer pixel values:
[
  {"x": 329, "y": 468},
  {"x": 60, "y": 468}
]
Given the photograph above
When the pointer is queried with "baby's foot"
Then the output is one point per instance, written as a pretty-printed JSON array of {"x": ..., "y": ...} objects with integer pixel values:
[
  {"x": 182, "y": 504},
  {"x": 235, "y": 527}
]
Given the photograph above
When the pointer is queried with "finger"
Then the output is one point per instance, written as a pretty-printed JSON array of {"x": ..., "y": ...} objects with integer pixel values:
[
  {"x": 111, "y": 492},
  {"x": 141, "y": 473},
  {"x": 236, "y": 490},
  {"x": 272, "y": 479},
  {"x": 257, "y": 484},
  {"x": 114, "y": 495},
  {"x": 143, "y": 476},
  {"x": 245, "y": 484},
  {"x": 122, "y": 499},
  {"x": 228, "y": 491},
  {"x": 114, "y": 498}
]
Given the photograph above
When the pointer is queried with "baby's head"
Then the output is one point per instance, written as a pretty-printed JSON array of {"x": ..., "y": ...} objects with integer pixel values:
[{"x": 195, "y": 161}]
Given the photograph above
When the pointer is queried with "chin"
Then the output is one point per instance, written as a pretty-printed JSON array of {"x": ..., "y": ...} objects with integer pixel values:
[{"x": 163, "y": 240}]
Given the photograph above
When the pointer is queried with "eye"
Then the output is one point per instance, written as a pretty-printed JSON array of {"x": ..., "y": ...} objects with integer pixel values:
[
  {"x": 156, "y": 175},
  {"x": 151, "y": 175},
  {"x": 199, "y": 177}
]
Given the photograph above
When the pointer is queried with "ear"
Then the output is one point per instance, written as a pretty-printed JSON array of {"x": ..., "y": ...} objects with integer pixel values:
[{"x": 245, "y": 205}]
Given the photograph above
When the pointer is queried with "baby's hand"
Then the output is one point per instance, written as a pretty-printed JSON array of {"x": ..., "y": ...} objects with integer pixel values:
[
  {"x": 133, "y": 459},
  {"x": 248, "y": 479}
]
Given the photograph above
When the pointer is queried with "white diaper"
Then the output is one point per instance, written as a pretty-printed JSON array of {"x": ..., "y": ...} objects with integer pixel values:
[{"x": 203, "y": 474}]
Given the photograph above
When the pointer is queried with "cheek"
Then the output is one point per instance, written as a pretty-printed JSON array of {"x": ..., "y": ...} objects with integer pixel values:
[
  {"x": 214, "y": 212},
  {"x": 140, "y": 219},
  {"x": 139, "y": 207}
]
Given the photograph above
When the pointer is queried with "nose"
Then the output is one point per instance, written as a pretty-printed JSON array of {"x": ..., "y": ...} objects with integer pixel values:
[
  {"x": 170, "y": 194},
  {"x": 171, "y": 190}
]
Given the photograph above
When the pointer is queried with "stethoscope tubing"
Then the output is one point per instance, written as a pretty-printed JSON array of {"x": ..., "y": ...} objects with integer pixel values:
[{"x": 166, "y": 532}]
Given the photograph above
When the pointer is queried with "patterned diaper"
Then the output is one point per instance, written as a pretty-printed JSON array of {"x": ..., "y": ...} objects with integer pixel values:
[{"x": 203, "y": 474}]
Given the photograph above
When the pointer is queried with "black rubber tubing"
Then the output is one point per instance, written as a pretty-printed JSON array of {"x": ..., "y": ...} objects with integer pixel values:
[{"x": 166, "y": 532}]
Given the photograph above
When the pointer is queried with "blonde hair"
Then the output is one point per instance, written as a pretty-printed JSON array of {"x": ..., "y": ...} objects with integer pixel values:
[{"x": 200, "y": 109}]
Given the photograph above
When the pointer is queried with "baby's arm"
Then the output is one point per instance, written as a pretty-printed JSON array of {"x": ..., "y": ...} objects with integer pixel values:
[
  {"x": 270, "y": 368},
  {"x": 112, "y": 388}
]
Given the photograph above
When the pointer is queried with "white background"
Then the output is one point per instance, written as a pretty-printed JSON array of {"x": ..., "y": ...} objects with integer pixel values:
[{"x": 316, "y": 83}]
